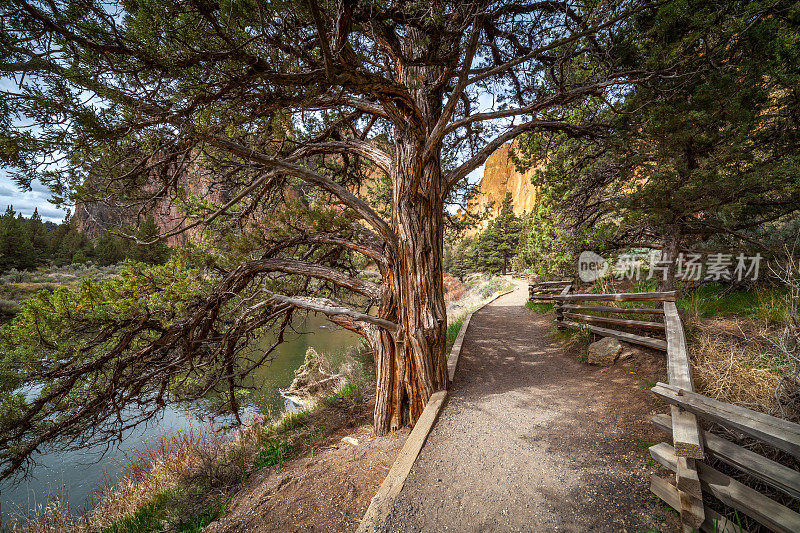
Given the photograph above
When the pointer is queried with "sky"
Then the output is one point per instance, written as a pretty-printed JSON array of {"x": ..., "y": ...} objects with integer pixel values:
[{"x": 26, "y": 201}]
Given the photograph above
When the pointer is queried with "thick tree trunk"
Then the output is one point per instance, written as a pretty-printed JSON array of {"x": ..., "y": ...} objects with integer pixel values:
[
  {"x": 412, "y": 364},
  {"x": 391, "y": 407},
  {"x": 423, "y": 317}
]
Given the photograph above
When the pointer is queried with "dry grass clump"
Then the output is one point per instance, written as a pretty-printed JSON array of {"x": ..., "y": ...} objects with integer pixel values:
[
  {"x": 153, "y": 469},
  {"x": 53, "y": 517},
  {"x": 729, "y": 372},
  {"x": 735, "y": 361}
]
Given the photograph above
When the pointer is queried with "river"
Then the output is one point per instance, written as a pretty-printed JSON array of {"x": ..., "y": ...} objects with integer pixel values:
[{"x": 78, "y": 473}]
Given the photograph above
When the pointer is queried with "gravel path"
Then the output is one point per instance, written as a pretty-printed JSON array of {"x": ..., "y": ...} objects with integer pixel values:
[{"x": 533, "y": 440}]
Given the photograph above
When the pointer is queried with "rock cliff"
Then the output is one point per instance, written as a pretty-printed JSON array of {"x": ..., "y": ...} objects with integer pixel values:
[
  {"x": 92, "y": 219},
  {"x": 500, "y": 176}
]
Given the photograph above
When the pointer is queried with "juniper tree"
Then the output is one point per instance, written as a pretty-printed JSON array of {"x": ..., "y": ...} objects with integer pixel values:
[
  {"x": 709, "y": 151},
  {"x": 280, "y": 113}
]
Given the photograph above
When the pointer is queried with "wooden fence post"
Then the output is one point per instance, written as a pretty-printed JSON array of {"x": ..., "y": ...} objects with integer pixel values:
[
  {"x": 559, "y": 308},
  {"x": 686, "y": 432}
]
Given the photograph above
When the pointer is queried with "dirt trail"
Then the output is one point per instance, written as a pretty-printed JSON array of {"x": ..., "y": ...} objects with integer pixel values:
[{"x": 531, "y": 439}]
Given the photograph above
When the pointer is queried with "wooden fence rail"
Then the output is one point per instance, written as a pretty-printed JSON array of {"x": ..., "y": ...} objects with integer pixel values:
[
  {"x": 592, "y": 322},
  {"x": 694, "y": 478},
  {"x": 546, "y": 291}
]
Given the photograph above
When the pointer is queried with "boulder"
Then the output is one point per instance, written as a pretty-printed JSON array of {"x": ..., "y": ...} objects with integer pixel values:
[{"x": 605, "y": 351}]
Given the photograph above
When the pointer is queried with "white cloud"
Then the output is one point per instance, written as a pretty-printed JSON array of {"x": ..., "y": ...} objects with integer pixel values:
[{"x": 26, "y": 201}]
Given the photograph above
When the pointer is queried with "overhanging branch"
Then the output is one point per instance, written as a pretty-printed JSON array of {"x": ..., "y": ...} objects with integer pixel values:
[
  {"x": 357, "y": 146},
  {"x": 331, "y": 308},
  {"x": 314, "y": 270}
]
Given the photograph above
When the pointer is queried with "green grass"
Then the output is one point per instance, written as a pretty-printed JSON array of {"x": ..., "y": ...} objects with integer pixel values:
[
  {"x": 351, "y": 393},
  {"x": 580, "y": 336},
  {"x": 149, "y": 517},
  {"x": 453, "y": 327},
  {"x": 711, "y": 300},
  {"x": 645, "y": 285},
  {"x": 647, "y": 384},
  {"x": 198, "y": 523},
  {"x": 275, "y": 453},
  {"x": 539, "y": 307},
  {"x": 292, "y": 421},
  {"x": 153, "y": 515},
  {"x": 562, "y": 335}
]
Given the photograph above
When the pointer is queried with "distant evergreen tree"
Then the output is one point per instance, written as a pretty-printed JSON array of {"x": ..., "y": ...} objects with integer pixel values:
[
  {"x": 16, "y": 248},
  {"x": 154, "y": 254},
  {"x": 110, "y": 250},
  {"x": 39, "y": 234},
  {"x": 79, "y": 258},
  {"x": 27, "y": 243},
  {"x": 498, "y": 243},
  {"x": 544, "y": 247},
  {"x": 66, "y": 241},
  {"x": 460, "y": 258}
]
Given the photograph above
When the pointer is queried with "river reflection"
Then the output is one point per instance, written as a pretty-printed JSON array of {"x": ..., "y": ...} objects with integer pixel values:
[{"x": 79, "y": 473}]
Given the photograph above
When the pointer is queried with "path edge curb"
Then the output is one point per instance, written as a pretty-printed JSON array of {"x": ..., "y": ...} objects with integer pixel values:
[{"x": 381, "y": 503}]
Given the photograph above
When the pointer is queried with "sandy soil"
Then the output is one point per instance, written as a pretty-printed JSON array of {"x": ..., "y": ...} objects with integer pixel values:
[
  {"x": 327, "y": 492},
  {"x": 534, "y": 440}
]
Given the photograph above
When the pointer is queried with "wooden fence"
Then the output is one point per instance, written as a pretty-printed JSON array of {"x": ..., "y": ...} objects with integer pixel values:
[
  {"x": 545, "y": 291},
  {"x": 573, "y": 312},
  {"x": 695, "y": 478}
]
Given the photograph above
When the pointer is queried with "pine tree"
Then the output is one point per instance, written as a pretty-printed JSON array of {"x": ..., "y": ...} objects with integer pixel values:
[
  {"x": 39, "y": 235},
  {"x": 545, "y": 248},
  {"x": 16, "y": 248},
  {"x": 154, "y": 253},
  {"x": 497, "y": 244},
  {"x": 109, "y": 249}
]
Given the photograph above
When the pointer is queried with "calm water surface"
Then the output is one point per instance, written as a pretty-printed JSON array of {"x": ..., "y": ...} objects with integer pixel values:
[{"x": 79, "y": 473}]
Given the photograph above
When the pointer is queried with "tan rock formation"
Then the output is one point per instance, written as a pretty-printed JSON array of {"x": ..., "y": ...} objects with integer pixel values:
[{"x": 500, "y": 176}]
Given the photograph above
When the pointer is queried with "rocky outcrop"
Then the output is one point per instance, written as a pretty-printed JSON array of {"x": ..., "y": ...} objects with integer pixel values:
[
  {"x": 500, "y": 176},
  {"x": 311, "y": 379},
  {"x": 93, "y": 219}
]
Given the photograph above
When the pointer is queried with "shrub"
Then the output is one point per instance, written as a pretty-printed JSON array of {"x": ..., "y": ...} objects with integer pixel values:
[{"x": 8, "y": 307}]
